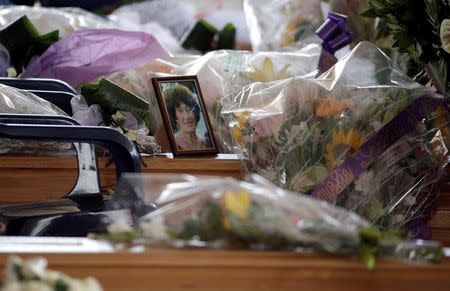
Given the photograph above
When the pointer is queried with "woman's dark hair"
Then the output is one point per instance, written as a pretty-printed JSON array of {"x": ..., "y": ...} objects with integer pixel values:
[{"x": 177, "y": 95}]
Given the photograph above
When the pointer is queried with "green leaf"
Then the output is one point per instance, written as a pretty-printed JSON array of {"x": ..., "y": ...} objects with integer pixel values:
[
  {"x": 200, "y": 36},
  {"x": 18, "y": 38},
  {"x": 191, "y": 228},
  {"x": 112, "y": 98},
  {"x": 227, "y": 37},
  {"x": 367, "y": 255},
  {"x": 19, "y": 272},
  {"x": 208, "y": 226},
  {"x": 371, "y": 13},
  {"x": 43, "y": 42},
  {"x": 60, "y": 285},
  {"x": 370, "y": 234},
  {"x": 22, "y": 40}
]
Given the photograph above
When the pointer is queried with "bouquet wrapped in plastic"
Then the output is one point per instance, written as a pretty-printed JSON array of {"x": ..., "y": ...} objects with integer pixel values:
[
  {"x": 214, "y": 71},
  {"x": 276, "y": 25},
  {"x": 362, "y": 136},
  {"x": 226, "y": 213},
  {"x": 17, "y": 101}
]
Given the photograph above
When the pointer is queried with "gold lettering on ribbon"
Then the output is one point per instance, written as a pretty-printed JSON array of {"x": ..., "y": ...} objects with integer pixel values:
[{"x": 339, "y": 180}]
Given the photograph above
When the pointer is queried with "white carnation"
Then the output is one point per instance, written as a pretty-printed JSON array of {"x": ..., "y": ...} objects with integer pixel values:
[{"x": 154, "y": 228}]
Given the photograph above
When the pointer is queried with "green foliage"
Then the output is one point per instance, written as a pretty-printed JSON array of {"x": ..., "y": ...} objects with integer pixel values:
[
  {"x": 208, "y": 226},
  {"x": 60, "y": 285},
  {"x": 23, "y": 41},
  {"x": 201, "y": 37},
  {"x": 415, "y": 28},
  {"x": 112, "y": 98},
  {"x": 394, "y": 242},
  {"x": 46, "y": 40}
]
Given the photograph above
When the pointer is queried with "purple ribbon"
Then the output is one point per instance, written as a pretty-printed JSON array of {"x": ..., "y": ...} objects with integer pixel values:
[
  {"x": 418, "y": 229},
  {"x": 341, "y": 177},
  {"x": 335, "y": 36},
  {"x": 334, "y": 32}
]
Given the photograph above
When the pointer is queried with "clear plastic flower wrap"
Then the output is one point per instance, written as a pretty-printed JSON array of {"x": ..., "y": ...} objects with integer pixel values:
[
  {"x": 362, "y": 136},
  {"x": 17, "y": 101},
  {"x": 217, "y": 212},
  {"x": 282, "y": 24},
  {"x": 214, "y": 71},
  {"x": 66, "y": 20},
  {"x": 138, "y": 81}
]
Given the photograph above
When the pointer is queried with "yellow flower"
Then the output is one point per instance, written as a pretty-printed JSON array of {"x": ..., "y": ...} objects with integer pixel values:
[
  {"x": 266, "y": 73},
  {"x": 239, "y": 125},
  {"x": 238, "y": 204},
  {"x": 341, "y": 145}
]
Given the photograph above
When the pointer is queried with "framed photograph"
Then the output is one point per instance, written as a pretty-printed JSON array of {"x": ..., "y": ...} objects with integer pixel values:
[{"x": 185, "y": 117}]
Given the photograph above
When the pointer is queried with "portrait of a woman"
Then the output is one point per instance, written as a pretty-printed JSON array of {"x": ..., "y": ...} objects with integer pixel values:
[{"x": 184, "y": 113}]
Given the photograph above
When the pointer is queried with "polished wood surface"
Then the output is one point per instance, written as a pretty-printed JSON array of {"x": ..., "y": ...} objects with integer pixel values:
[
  {"x": 211, "y": 270},
  {"x": 440, "y": 221},
  {"x": 39, "y": 178},
  {"x": 25, "y": 178}
]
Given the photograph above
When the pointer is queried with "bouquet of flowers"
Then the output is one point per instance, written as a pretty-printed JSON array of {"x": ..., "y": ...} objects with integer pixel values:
[
  {"x": 214, "y": 71},
  {"x": 213, "y": 212},
  {"x": 363, "y": 136},
  {"x": 276, "y": 25},
  {"x": 422, "y": 32},
  {"x": 32, "y": 275}
]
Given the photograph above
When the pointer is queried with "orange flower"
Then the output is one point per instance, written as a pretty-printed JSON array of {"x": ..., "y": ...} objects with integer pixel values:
[{"x": 331, "y": 106}]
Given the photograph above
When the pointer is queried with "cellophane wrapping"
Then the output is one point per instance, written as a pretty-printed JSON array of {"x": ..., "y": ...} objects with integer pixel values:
[
  {"x": 282, "y": 24},
  {"x": 215, "y": 71},
  {"x": 298, "y": 131},
  {"x": 14, "y": 101},
  {"x": 66, "y": 20},
  {"x": 207, "y": 211},
  {"x": 217, "y": 212}
]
